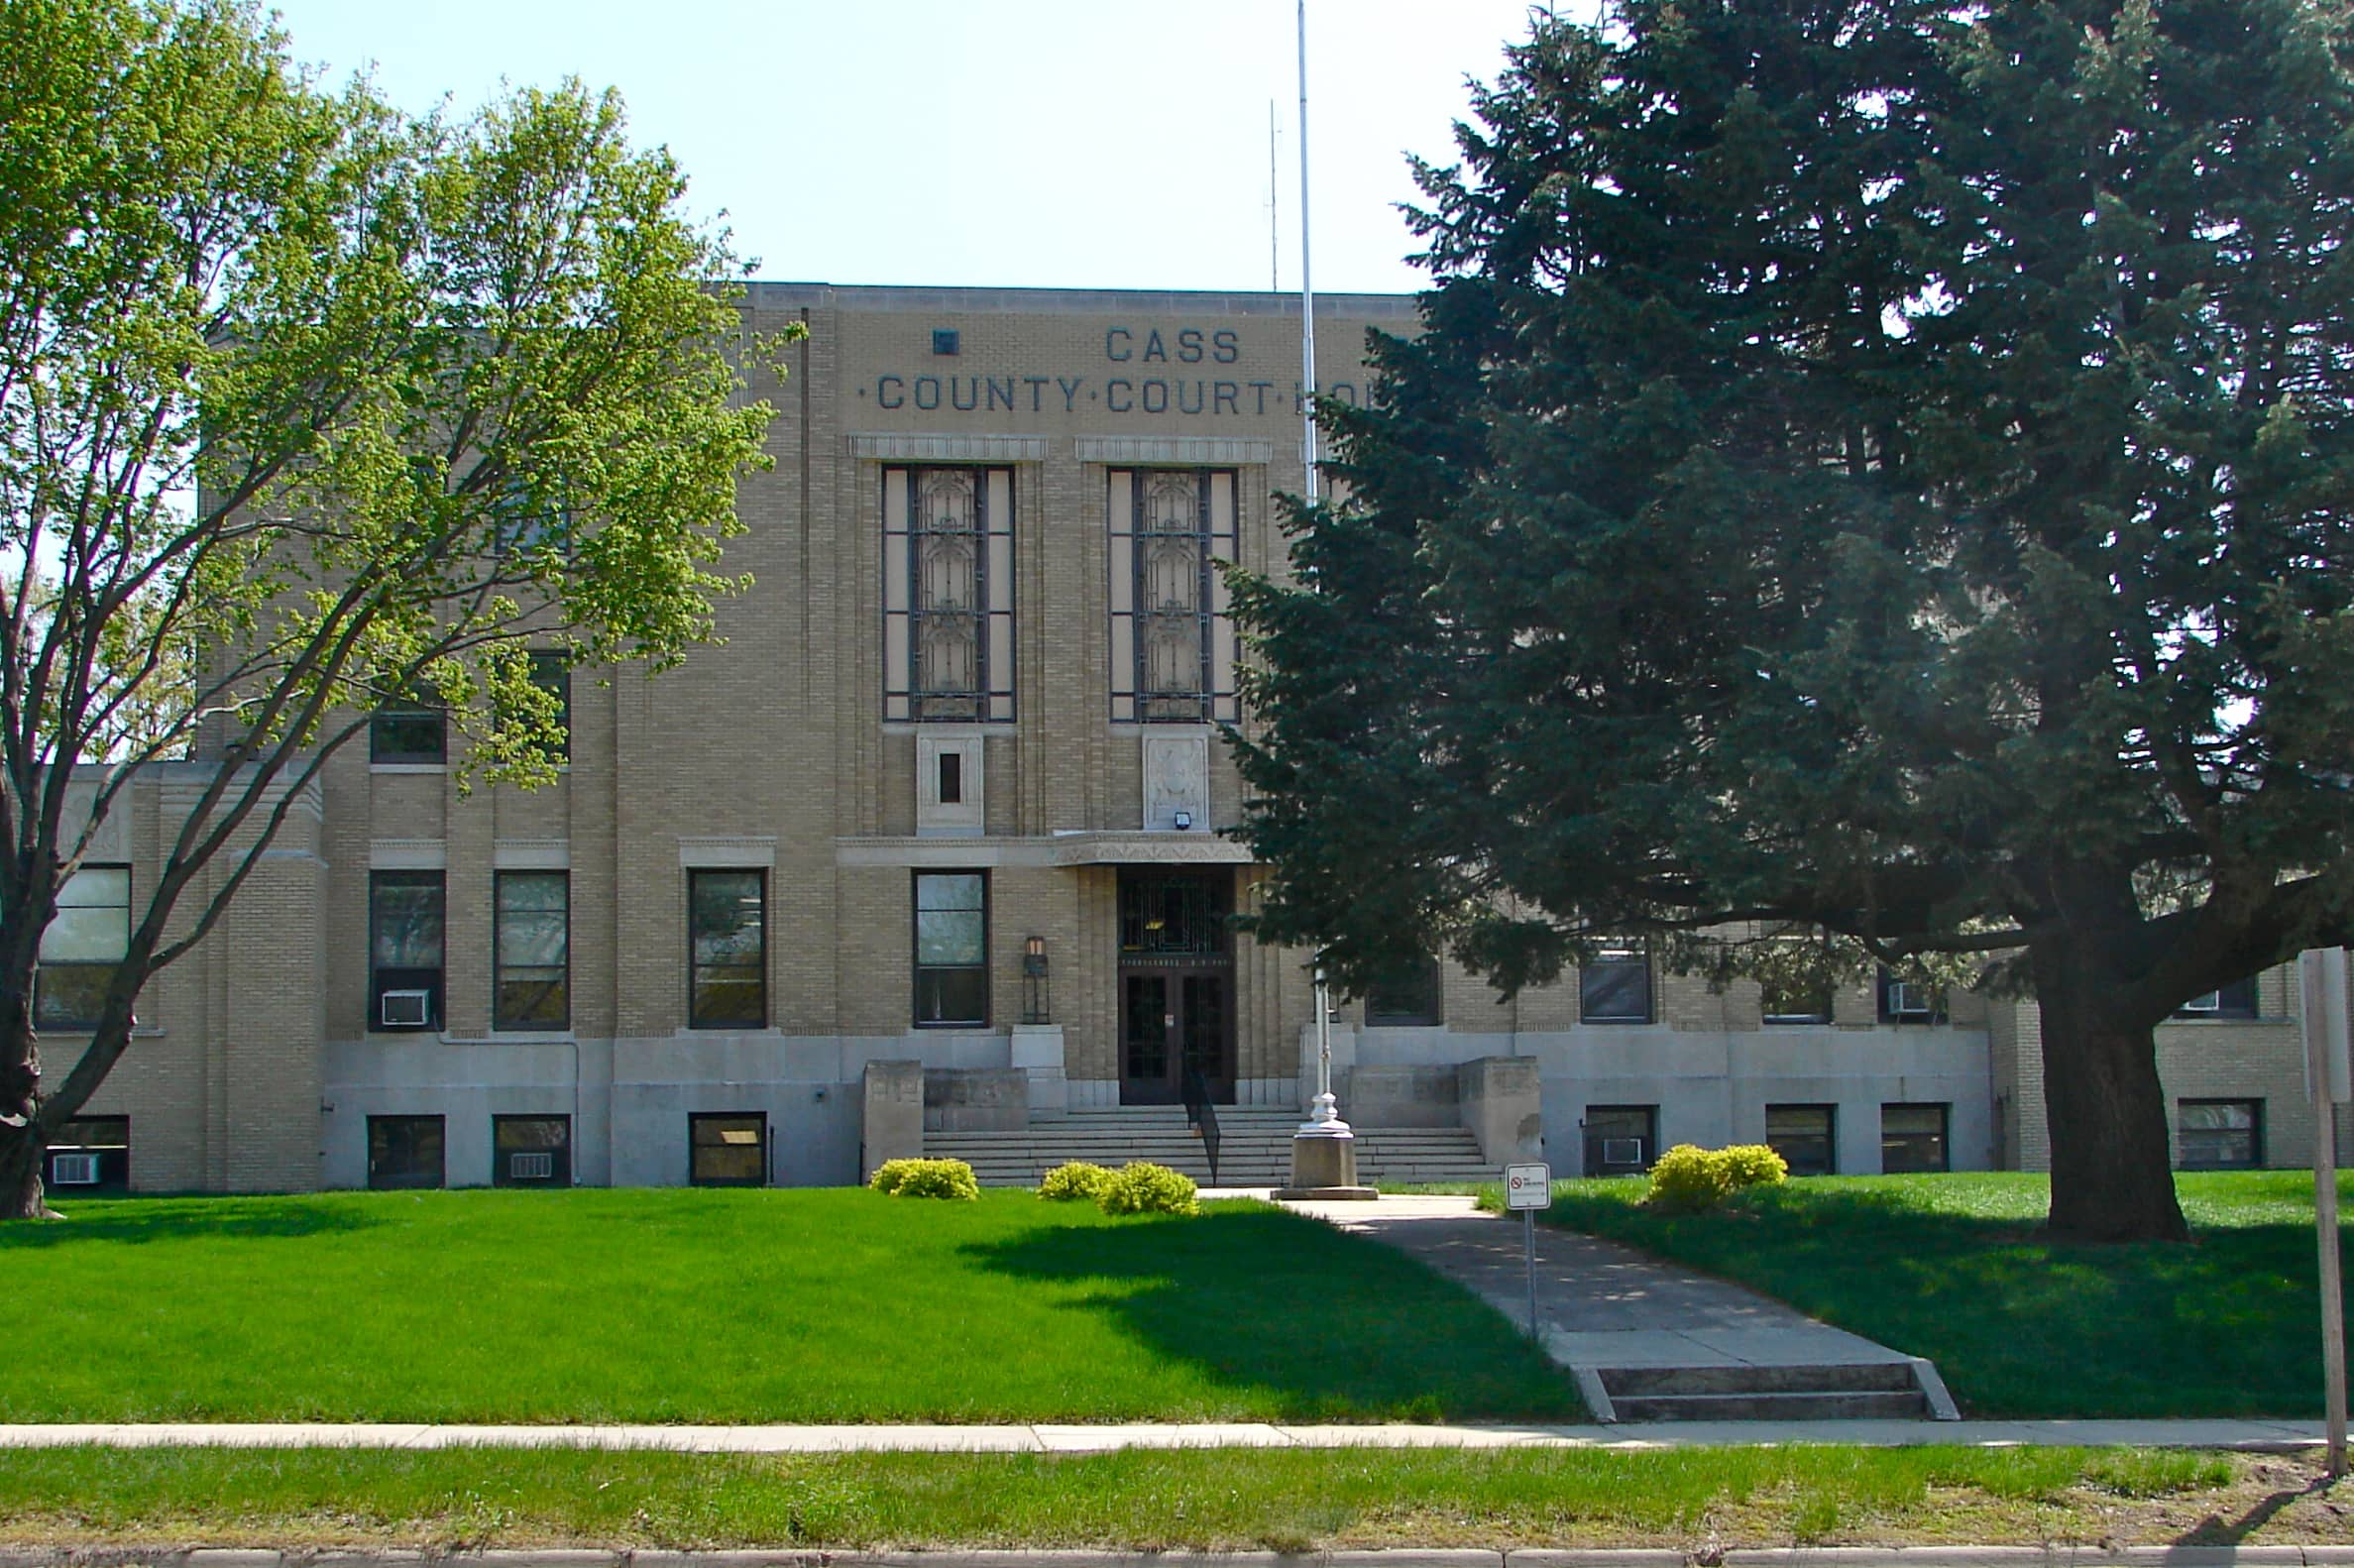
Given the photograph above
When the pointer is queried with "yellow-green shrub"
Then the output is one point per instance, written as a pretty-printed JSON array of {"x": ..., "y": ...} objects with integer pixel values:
[
  {"x": 1688, "y": 1176},
  {"x": 1691, "y": 1177},
  {"x": 1143, "y": 1187},
  {"x": 950, "y": 1178},
  {"x": 1079, "y": 1178},
  {"x": 1753, "y": 1165}
]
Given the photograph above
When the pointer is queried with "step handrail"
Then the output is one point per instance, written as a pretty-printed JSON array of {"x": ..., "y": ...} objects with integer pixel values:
[{"x": 1203, "y": 1116}]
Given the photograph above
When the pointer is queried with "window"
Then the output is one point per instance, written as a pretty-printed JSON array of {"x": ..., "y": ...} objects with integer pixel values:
[
  {"x": 1913, "y": 1139},
  {"x": 1803, "y": 1135},
  {"x": 949, "y": 594},
  {"x": 951, "y": 778},
  {"x": 1796, "y": 1001},
  {"x": 2236, "y": 1001},
  {"x": 727, "y": 942},
  {"x": 1614, "y": 985},
  {"x": 727, "y": 1150},
  {"x": 82, "y": 948},
  {"x": 405, "y": 950},
  {"x": 2221, "y": 1135},
  {"x": 1173, "y": 642},
  {"x": 531, "y": 1151},
  {"x": 1406, "y": 999},
  {"x": 91, "y": 1153},
  {"x": 553, "y": 676},
  {"x": 532, "y": 951},
  {"x": 1620, "y": 1140},
  {"x": 405, "y": 1152},
  {"x": 408, "y": 733},
  {"x": 952, "y": 948}
]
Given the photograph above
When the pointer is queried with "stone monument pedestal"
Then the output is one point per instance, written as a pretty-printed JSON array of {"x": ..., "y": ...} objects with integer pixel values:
[{"x": 1324, "y": 1159}]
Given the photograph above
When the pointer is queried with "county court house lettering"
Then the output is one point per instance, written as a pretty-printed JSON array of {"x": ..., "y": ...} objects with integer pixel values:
[{"x": 927, "y": 855}]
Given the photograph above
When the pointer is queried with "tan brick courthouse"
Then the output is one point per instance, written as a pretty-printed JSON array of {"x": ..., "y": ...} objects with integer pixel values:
[{"x": 950, "y": 793}]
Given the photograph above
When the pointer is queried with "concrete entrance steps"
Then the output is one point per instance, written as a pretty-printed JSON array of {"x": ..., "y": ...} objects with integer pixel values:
[
  {"x": 1253, "y": 1148},
  {"x": 1873, "y": 1391}
]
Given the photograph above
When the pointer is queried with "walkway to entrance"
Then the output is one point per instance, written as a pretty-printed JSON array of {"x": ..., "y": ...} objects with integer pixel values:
[{"x": 1649, "y": 1341}]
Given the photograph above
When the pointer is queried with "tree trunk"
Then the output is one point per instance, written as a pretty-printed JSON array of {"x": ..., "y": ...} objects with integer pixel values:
[
  {"x": 2112, "y": 1177},
  {"x": 20, "y": 1194}
]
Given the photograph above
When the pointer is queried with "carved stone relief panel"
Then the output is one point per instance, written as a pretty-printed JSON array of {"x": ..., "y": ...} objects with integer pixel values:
[{"x": 1177, "y": 779}]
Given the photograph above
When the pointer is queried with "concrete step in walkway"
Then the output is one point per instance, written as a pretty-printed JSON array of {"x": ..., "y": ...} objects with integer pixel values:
[
  {"x": 1253, "y": 1148},
  {"x": 1648, "y": 1341}
]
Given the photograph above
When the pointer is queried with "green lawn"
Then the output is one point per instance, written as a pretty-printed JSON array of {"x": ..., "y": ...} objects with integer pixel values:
[
  {"x": 738, "y": 1306},
  {"x": 1294, "y": 1501},
  {"x": 1950, "y": 1266}
]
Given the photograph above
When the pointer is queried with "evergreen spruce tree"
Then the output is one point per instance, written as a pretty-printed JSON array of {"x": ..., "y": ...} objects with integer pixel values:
[{"x": 1873, "y": 467}]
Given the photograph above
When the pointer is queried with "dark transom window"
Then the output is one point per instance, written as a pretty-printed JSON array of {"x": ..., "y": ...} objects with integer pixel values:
[
  {"x": 408, "y": 733},
  {"x": 531, "y": 1151},
  {"x": 2221, "y": 1135},
  {"x": 405, "y": 1152},
  {"x": 949, "y": 594},
  {"x": 1173, "y": 642},
  {"x": 1172, "y": 916},
  {"x": 1806, "y": 1136},
  {"x": 728, "y": 1148},
  {"x": 1913, "y": 1139},
  {"x": 1620, "y": 1140}
]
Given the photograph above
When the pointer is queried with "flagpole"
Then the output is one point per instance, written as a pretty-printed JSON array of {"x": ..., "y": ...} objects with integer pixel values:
[{"x": 1307, "y": 289}]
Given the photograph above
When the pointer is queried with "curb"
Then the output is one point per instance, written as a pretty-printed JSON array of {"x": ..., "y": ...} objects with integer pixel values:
[{"x": 1769, "y": 1557}]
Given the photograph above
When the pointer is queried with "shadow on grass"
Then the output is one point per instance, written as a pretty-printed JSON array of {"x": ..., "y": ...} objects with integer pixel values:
[
  {"x": 89, "y": 1221},
  {"x": 1331, "y": 1326},
  {"x": 2017, "y": 1324},
  {"x": 2215, "y": 1531}
]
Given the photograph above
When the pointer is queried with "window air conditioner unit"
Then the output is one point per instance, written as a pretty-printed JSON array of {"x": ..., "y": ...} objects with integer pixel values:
[
  {"x": 2212, "y": 1002},
  {"x": 537, "y": 1166},
  {"x": 1907, "y": 999},
  {"x": 74, "y": 1170},
  {"x": 1621, "y": 1151},
  {"x": 405, "y": 1009}
]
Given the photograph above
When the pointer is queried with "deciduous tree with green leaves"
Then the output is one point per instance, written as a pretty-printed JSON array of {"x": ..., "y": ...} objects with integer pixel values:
[
  {"x": 1874, "y": 468},
  {"x": 306, "y": 404}
]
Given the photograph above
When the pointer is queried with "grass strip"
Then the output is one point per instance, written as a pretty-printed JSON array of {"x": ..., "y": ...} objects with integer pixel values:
[
  {"x": 747, "y": 1306},
  {"x": 1952, "y": 1268},
  {"x": 1202, "y": 1499}
]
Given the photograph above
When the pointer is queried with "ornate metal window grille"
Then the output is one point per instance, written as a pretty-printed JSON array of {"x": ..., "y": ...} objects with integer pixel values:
[
  {"x": 1173, "y": 642},
  {"x": 1163, "y": 916},
  {"x": 948, "y": 594}
]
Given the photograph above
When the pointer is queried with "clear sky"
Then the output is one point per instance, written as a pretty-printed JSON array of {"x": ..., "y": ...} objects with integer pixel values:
[{"x": 1039, "y": 143}]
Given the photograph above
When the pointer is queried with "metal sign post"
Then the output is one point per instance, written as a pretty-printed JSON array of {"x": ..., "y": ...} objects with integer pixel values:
[
  {"x": 2329, "y": 1062},
  {"x": 1527, "y": 1188}
]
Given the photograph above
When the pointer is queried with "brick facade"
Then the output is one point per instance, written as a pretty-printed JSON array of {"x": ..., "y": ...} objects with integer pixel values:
[{"x": 259, "y": 1066}]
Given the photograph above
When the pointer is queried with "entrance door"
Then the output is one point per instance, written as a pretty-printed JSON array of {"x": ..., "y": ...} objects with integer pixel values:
[{"x": 1176, "y": 1021}]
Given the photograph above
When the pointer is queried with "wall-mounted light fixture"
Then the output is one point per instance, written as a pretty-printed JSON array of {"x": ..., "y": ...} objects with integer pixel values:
[
  {"x": 1184, "y": 819},
  {"x": 1034, "y": 981}
]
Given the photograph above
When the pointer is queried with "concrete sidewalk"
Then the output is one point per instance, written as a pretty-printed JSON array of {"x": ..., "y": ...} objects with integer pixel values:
[
  {"x": 1602, "y": 1307},
  {"x": 2263, "y": 1436}
]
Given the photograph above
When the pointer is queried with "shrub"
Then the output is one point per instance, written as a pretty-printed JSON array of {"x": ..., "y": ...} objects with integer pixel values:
[
  {"x": 1143, "y": 1187},
  {"x": 1688, "y": 1178},
  {"x": 1753, "y": 1165},
  {"x": 950, "y": 1178},
  {"x": 1080, "y": 1178}
]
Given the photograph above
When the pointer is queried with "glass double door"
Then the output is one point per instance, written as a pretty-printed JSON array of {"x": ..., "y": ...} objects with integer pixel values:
[{"x": 1176, "y": 1021}]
